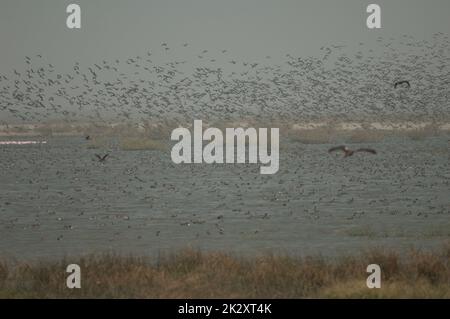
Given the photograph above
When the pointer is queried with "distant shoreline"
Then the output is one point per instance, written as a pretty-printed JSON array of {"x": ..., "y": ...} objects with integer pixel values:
[{"x": 79, "y": 129}]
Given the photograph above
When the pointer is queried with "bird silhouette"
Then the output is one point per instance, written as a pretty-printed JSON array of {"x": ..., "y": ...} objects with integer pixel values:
[
  {"x": 102, "y": 158},
  {"x": 396, "y": 84}
]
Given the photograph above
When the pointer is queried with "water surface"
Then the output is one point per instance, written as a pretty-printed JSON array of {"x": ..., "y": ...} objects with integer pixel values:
[{"x": 56, "y": 199}]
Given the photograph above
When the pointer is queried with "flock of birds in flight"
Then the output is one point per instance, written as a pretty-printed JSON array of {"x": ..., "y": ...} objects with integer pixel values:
[{"x": 399, "y": 76}]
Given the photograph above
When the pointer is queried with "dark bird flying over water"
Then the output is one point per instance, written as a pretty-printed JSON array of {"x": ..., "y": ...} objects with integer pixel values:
[
  {"x": 101, "y": 158},
  {"x": 396, "y": 84},
  {"x": 349, "y": 152}
]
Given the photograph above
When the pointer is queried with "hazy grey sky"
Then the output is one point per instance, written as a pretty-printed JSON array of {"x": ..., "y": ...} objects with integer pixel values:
[{"x": 247, "y": 28}]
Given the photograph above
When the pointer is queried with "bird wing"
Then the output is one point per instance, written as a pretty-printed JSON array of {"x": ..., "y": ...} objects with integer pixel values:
[
  {"x": 98, "y": 156},
  {"x": 104, "y": 157},
  {"x": 337, "y": 148},
  {"x": 368, "y": 150}
]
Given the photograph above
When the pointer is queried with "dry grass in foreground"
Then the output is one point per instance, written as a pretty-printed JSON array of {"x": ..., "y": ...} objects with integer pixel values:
[{"x": 192, "y": 274}]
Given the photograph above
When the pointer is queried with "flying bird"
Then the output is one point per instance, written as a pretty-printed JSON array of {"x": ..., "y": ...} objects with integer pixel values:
[
  {"x": 101, "y": 158},
  {"x": 349, "y": 152},
  {"x": 396, "y": 84}
]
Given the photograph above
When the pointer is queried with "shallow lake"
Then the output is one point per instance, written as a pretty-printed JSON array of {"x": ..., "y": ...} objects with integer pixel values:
[{"x": 57, "y": 199}]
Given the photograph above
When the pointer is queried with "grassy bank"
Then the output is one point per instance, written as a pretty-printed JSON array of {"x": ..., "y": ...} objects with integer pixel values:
[{"x": 193, "y": 274}]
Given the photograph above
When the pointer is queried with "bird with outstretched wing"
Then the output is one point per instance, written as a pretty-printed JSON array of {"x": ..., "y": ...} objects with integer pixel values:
[
  {"x": 368, "y": 150},
  {"x": 102, "y": 158}
]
